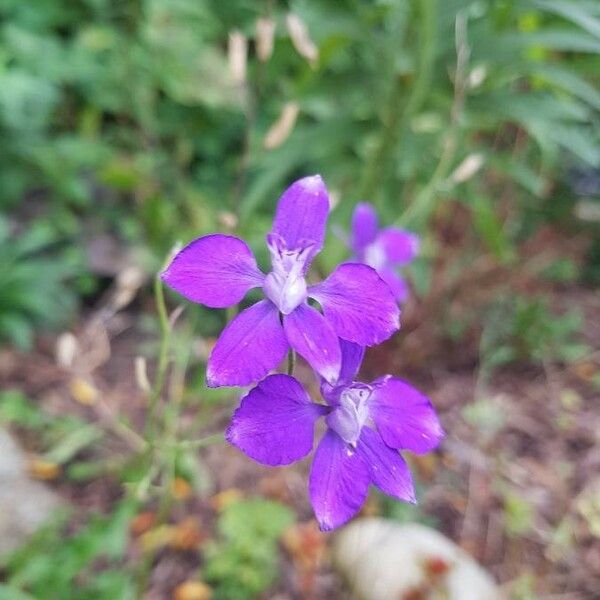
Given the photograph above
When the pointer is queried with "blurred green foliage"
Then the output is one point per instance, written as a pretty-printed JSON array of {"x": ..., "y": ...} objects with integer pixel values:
[
  {"x": 124, "y": 117},
  {"x": 245, "y": 563},
  {"x": 60, "y": 437},
  {"x": 35, "y": 268},
  {"x": 125, "y": 112},
  {"x": 526, "y": 330},
  {"x": 56, "y": 565}
]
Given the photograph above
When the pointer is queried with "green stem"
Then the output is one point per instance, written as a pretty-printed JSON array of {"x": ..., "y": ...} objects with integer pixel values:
[
  {"x": 428, "y": 47},
  {"x": 394, "y": 118},
  {"x": 209, "y": 440},
  {"x": 424, "y": 204},
  {"x": 163, "y": 362},
  {"x": 291, "y": 365},
  {"x": 152, "y": 426}
]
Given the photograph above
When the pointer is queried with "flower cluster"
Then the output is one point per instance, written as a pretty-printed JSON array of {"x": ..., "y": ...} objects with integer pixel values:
[
  {"x": 366, "y": 424},
  {"x": 385, "y": 250}
]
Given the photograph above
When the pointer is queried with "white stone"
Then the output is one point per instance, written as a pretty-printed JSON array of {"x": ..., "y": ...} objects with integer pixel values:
[
  {"x": 384, "y": 560},
  {"x": 25, "y": 504}
]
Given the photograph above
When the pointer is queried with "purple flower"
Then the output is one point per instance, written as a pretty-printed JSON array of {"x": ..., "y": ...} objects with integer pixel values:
[
  {"x": 385, "y": 250},
  {"x": 218, "y": 270},
  {"x": 275, "y": 423}
]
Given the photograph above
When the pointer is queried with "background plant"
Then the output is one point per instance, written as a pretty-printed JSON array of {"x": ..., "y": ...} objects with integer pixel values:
[{"x": 473, "y": 122}]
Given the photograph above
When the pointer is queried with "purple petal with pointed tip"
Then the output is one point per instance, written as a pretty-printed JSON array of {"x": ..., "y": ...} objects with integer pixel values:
[
  {"x": 404, "y": 417},
  {"x": 364, "y": 226},
  {"x": 396, "y": 283},
  {"x": 387, "y": 469},
  {"x": 358, "y": 303},
  {"x": 352, "y": 357},
  {"x": 248, "y": 348},
  {"x": 309, "y": 333},
  {"x": 400, "y": 246},
  {"x": 338, "y": 482},
  {"x": 215, "y": 270},
  {"x": 275, "y": 422},
  {"x": 301, "y": 215}
]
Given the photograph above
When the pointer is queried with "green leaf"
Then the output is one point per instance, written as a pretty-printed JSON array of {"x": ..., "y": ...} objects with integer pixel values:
[
  {"x": 255, "y": 518},
  {"x": 489, "y": 227},
  {"x": 17, "y": 409},
  {"x": 571, "y": 11},
  {"x": 568, "y": 80},
  {"x": 73, "y": 443},
  {"x": 8, "y": 592}
]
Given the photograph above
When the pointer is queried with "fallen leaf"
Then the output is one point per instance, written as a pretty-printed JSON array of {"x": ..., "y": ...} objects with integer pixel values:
[
  {"x": 156, "y": 538},
  {"x": 181, "y": 489},
  {"x": 222, "y": 500},
  {"x": 83, "y": 391},
  {"x": 307, "y": 546},
  {"x": 192, "y": 590},
  {"x": 187, "y": 535},
  {"x": 142, "y": 522},
  {"x": 44, "y": 470}
]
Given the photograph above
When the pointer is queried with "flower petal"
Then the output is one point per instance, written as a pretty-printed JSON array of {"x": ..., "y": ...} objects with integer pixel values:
[
  {"x": 396, "y": 283},
  {"x": 364, "y": 226},
  {"x": 309, "y": 333},
  {"x": 275, "y": 422},
  {"x": 400, "y": 246},
  {"x": 358, "y": 303},
  {"x": 352, "y": 357},
  {"x": 215, "y": 270},
  {"x": 301, "y": 215},
  {"x": 404, "y": 417},
  {"x": 248, "y": 348},
  {"x": 338, "y": 483},
  {"x": 387, "y": 469}
]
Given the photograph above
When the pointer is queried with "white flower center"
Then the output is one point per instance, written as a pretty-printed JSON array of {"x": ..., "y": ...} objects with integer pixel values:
[
  {"x": 285, "y": 285},
  {"x": 375, "y": 256},
  {"x": 349, "y": 416}
]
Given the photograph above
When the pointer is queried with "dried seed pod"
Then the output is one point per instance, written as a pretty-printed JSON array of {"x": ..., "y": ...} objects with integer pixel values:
[
  {"x": 265, "y": 37},
  {"x": 467, "y": 168},
  {"x": 301, "y": 38},
  {"x": 238, "y": 56},
  {"x": 67, "y": 348},
  {"x": 141, "y": 375},
  {"x": 281, "y": 129}
]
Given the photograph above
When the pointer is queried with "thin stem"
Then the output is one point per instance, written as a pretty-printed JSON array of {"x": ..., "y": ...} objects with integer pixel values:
[
  {"x": 291, "y": 364},
  {"x": 394, "y": 118},
  {"x": 163, "y": 360},
  {"x": 209, "y": 440},
  {"x": 171, "y": 433},
  {"x": 424, "y": 203},
  {"x": 151, "y": 429},
  {"x": 107, "y": 418}
]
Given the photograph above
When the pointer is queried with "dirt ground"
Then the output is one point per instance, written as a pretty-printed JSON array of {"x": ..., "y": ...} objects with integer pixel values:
[{"x": 512, "y": 483}]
